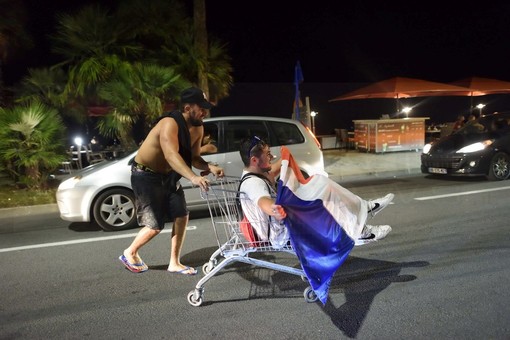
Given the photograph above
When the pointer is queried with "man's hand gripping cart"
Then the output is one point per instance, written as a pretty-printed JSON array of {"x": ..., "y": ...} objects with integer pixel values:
[{"x": 223, "y": 200}]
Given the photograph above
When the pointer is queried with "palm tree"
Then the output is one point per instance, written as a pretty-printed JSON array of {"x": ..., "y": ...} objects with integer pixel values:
[
  {"x": 43, "y": 84},
  {"x": 105, "y": 53},
  {"x": 95, "y": 46},
  {"x": 190, "y": 63},
  {"x": 31, "y": 143},
  {"x": 171, "y": 39},
  {"x": 153, "y": 23},
  {"x": 139, "y": 94}
]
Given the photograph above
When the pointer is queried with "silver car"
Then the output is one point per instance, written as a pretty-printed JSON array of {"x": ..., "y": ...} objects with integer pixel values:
[{"x": 102, "y": 192}]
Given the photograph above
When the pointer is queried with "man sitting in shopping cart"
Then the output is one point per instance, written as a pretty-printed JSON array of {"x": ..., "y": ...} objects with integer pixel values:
[
  {"x": 258, "y": 188},
  {"x": 258, "y": 185},
  {"x": 323, "y": 219}
]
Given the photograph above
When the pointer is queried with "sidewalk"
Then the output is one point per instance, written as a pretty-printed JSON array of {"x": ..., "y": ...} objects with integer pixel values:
[
  {"x": 339, "y": 164},
  {"x": 342, "y": 165}
]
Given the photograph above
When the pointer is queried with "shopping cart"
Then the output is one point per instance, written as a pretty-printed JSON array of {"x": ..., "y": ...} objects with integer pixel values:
[{"x": 223, "y": 200}]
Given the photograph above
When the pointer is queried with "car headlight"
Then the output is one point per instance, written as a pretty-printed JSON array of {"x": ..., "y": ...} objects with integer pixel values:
[
  {"x": 69, "y": 183},
  {"x": 476, "y": 146},
  {"x": 426, "y": 148}
]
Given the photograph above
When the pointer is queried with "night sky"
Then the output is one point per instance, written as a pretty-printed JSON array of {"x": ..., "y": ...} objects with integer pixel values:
[{"x": 341, "y": 45}]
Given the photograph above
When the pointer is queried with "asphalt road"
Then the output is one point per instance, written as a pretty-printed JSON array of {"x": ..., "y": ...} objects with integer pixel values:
[{"x": 441, "y": 274}]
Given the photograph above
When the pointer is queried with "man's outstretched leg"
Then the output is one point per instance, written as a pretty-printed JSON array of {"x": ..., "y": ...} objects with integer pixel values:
[{"x": 130, "y": 257}]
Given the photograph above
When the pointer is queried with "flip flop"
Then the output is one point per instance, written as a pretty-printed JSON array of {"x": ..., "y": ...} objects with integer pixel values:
[
  {"x": 184, "y": 271},
  {"x": 133, "y": 267}
]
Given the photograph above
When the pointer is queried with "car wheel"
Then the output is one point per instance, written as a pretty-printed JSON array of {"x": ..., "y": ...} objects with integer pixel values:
[
  {"x": 499, "y": 167},
  {"x": 115, "y": 210}
]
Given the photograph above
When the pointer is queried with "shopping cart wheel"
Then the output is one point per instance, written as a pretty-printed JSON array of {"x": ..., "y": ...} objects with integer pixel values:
[
  {"x": 206, "y": 268},
  {"x": 195, "y": 298},
  {"x": 310, "y": 295}
]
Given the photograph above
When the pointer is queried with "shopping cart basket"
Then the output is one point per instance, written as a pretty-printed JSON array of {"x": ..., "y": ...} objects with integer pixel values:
[{"x": 223, "y": 200}]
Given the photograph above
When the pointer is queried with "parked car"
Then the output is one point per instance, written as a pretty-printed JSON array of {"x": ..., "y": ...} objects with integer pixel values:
[
  {"x": 102, "y": 192},
  {"x": 479, "y": 148}
]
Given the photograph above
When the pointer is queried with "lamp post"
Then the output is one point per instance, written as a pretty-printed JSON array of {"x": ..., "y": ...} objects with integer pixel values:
[
  {"x": 480, "y": 107},
  {"x": 79, "y": 142},
  {"x": 313, "y": 114}
]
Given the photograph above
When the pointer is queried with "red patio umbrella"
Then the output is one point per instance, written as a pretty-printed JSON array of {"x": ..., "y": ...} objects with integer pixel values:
[
  {"x": 479, "y": 86},
  {"x": 482, "y": 86},
  {"x": 401, "y": 87}
]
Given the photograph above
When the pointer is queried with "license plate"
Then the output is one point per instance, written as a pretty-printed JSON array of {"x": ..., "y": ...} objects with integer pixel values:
[{"x": 441, "y": 171}]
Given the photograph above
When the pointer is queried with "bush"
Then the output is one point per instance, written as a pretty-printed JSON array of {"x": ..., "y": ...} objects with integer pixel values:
[{"x": 31, "y": 144}]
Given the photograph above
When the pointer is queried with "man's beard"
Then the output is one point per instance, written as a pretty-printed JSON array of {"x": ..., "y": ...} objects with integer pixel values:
[
  {"x": 266, "y": 169},
  {"x": 195, "y": 121}
]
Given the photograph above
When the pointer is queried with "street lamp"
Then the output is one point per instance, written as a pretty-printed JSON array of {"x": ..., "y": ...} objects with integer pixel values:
[
  {"x": 406, "y": 110},
  {"x": 480, "y": 107},
  {"x": 313, "y": 114}
]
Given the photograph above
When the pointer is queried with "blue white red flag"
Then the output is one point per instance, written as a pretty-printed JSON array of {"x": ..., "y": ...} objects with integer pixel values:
[
  {"x": 323, "y": 219},
  {"x": 298, "y": 79}
]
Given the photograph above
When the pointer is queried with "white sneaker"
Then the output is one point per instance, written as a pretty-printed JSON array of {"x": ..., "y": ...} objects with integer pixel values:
[
  {"x": 372, "y": 233},
  {"x": 379, "y": 204}
]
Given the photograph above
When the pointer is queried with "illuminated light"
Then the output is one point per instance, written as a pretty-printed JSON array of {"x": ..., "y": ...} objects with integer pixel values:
[
  {"x": 476, "y": 146},
  {"x": 313, "y": 114},
  {"x": 406, "y": 110},
  {"x": 480, "y": 107},
  {"x": 426, "y": 148}
]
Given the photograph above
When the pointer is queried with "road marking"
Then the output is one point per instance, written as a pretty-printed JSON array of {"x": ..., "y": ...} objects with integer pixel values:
[
  {"x": 84, "y": 240},
  {"x": 460, "y": 194}
]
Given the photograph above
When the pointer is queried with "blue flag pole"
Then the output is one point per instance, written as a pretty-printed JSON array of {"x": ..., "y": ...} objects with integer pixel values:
[{"x": 298, "y": 78}]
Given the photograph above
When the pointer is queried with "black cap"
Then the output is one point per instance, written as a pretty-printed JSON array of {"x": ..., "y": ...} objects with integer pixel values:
[{"x": 195, "y": 95}]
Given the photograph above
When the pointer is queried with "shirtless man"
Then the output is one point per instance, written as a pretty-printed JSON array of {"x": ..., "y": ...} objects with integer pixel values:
[{"x": 167, "y": 154}]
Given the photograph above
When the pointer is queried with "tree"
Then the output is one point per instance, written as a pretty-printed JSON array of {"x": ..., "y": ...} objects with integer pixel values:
[
  {"x": 31, "y": 143},
  {"x": 138, "y": 94},
  {"x": 43, "y": 84},
  {"x": 171, "y": 39},
  {"x": 189, "y": 62},
  {"x": 112, "y": 61},
  {"x": 95, "y": 46}
]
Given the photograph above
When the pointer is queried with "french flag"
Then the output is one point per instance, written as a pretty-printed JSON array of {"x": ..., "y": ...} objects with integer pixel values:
[{"x": 323, "y": 219}]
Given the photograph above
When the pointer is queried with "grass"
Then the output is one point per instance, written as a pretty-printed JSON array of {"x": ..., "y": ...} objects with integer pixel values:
[{"x": 12, "y": 196}]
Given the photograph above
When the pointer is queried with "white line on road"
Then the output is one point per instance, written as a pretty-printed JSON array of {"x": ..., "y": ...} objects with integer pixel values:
[
  {"x": 84, "y": 240},
  {"x": 460, "y": 194}
]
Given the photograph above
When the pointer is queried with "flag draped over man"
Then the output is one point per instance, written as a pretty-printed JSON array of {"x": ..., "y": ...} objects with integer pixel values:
[
  {"x": 298, "y": 79},
  {"x": 323, "y": 219}
]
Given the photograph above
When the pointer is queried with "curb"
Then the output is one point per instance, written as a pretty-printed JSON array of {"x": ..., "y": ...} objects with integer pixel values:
[
  {"x": 28, "y": 210},
  {"x": 374, "y": 174}
]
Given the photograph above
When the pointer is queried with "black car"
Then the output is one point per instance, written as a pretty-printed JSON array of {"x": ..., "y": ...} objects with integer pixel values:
[{"x": 479, "y": 148}]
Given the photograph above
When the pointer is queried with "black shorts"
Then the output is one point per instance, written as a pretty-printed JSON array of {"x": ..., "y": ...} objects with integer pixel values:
[{"x": 158, "y": 198}]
